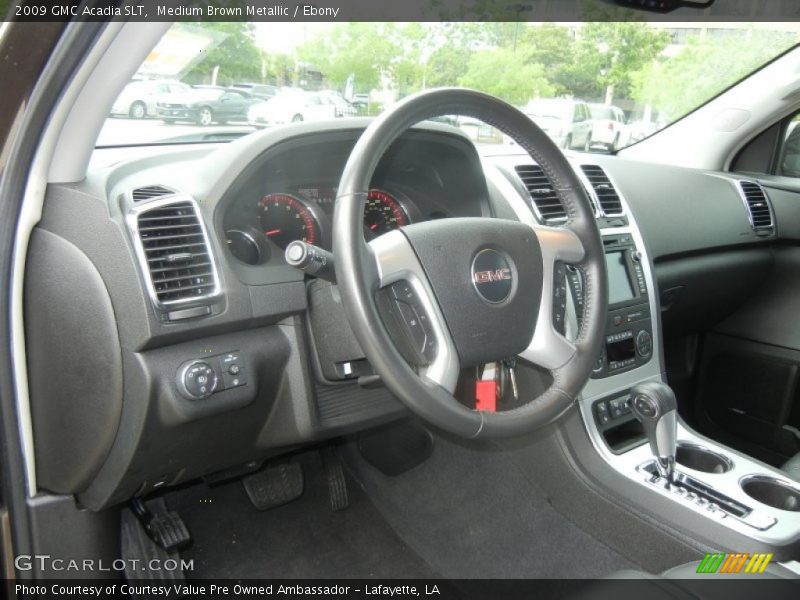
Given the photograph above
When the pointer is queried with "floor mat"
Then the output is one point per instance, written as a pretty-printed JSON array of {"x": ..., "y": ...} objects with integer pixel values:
[
  {"x": 303, "y": 539},
  {"x": 471, "y": 513}
]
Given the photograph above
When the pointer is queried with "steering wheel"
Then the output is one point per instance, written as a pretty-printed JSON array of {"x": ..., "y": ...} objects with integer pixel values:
[{"x": 475, "y": 290}]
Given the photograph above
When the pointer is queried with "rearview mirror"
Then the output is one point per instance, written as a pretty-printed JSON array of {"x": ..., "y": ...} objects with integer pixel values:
[{"x": 665, "y": 5}]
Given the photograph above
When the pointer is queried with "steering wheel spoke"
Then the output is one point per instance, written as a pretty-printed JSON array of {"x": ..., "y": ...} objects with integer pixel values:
[
  {"x": 549, "y": 348},
  {"x": 396, "y": 262}
]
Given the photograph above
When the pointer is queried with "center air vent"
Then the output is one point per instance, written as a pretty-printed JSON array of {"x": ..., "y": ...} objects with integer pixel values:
[
  {"x": 607, "y": 196},
  {"x": 543, "y": 197},
  {"x": 175, "y": 249},
  {"x": 149, "y": 192},
  {"x": 757, "y": 204}
]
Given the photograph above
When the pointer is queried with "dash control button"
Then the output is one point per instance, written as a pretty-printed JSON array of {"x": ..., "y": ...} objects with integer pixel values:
[
  {"x": 197, "y": 380},
  {"x": 233, "y": 370}
]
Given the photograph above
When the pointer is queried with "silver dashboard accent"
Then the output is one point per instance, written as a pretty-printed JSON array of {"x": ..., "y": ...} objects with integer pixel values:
[
  {"x": 749, "y": 210},
  {"x": 698, "y": 495},
  {"x": 600, "y": 211},
  {"x": 396, "y": 260},
  {"x": 132, "y": 221}
]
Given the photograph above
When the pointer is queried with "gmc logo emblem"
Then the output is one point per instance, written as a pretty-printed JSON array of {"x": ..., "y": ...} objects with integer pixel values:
[{"x": 490, "y": 276}]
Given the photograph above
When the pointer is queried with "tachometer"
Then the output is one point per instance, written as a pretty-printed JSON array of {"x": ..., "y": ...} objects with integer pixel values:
[
  {"x": 383, "y": 213},
  {"x": 285, "y": 219}
]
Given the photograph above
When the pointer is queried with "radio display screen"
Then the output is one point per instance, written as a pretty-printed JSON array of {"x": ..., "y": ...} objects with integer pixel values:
[{"x": 620, "y": 288}]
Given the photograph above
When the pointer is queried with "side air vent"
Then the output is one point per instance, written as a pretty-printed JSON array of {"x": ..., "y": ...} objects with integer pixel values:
[
  {"x": 149, "y": 192},
  {"x": 757, "y": 204},
  {"x": 607, "y": 196},
  {"x": 544, "y": 198},
  {"x": 176, "y": 253}
]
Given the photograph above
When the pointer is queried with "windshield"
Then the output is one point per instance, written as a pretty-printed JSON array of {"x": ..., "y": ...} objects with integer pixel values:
[{"x": 641, "y": 75}]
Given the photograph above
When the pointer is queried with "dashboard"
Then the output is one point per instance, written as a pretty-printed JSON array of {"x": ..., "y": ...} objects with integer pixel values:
[{"x": 285, "y": 334}]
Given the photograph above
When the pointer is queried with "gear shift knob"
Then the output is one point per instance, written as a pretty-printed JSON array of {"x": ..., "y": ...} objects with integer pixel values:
[{"x": 654, "y": 405}]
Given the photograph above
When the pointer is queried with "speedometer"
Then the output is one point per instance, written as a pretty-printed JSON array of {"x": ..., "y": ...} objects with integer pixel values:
[
  {"x": 383, "y": 213},
  {"x": 285, "y": 219}
]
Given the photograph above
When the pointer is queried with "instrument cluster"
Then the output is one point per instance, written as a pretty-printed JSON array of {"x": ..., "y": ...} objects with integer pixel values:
[{"x": 305, "y": 213}]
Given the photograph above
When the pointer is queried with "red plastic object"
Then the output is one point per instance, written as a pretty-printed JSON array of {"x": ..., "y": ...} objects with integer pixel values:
[{"x": 486, "y": 395}]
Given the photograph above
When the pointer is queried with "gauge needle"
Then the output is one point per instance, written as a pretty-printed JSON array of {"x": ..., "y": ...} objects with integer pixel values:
[
  {"x": 374, "y": 226},
  {"x": 273, "y": 232}
]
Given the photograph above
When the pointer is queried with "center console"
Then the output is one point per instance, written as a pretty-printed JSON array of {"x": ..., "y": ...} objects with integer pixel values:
[
  {"x": 727, "y": 488},
  {"x": 629, "y": 329},
  {"x": 704, "y": 490}
]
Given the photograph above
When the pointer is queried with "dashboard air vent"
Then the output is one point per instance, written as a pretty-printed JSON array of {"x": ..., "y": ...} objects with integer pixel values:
[
  {"x": 544, "y": 198},
  {"x": 757, "y": 204},
  {"x": 176, "y": 252},
  {"x": 607, "y": 196},
  {"x": 149, "y": 192}
]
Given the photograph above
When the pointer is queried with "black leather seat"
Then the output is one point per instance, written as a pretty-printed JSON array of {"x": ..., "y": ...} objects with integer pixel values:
[{"x": 792, "y": 467}]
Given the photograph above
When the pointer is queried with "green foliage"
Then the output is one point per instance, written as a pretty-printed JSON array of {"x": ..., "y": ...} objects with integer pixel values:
[
  {"x": 237, "y": 56},
  {"x": 505, "y": 74},
  {"x": 514, "y": 60},
  {"x": 607, "y": 54},
  {"x": 364, "y": 49},
  {"x": 704, "y": 67}
]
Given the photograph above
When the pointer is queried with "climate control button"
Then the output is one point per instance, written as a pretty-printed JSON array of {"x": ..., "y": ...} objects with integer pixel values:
[{"x": 644, "y": 343}]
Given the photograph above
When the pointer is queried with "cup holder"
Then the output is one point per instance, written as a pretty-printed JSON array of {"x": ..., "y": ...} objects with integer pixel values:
[
  {"x": 772, "y": 492},
  {"x": 702, "y": 459}
]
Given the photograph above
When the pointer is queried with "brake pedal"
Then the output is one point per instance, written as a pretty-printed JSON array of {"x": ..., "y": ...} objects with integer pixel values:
[
  {"x": 165, "y": 528},
  {"x": 274, "y": 486},
  {"x": 337, "y": 482}
]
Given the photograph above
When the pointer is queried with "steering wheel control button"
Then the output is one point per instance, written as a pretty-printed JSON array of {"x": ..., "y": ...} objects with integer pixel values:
[
  {"x": 645, "y": 406},
  {"x": 560, "y": 298},
  {"x": 197, "y": 380},
  {"x": 492, "y": 275},
  {"x": 415, "y": 319}
]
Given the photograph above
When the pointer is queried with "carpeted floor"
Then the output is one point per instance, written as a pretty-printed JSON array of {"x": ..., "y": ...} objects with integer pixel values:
[
  {"x": 470, "y": 512},
  {"x": 465, "y": 513},
  {"x": 303, "y": 539}
]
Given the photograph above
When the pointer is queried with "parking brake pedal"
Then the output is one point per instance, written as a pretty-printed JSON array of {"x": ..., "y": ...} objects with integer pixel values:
[
  {"x": 165, "y": 528},
  {"x": 274, "y": 486},
  {"x": 337, "y": 483}
]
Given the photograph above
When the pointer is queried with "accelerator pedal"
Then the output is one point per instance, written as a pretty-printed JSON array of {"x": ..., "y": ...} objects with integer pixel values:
[
  {"x": 337, "y": 482},
  {"x": 275, "y": 485}
]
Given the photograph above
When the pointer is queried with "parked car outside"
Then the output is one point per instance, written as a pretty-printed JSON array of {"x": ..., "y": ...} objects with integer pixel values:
[
  {"x": 568, "y": 122},
  {"x": 608, "y": 129},
  {"x": 139, "y": 98},
  {"x": 205, "y": 106},
  {"x": 290, "y": 107},
  {"x": 261, "y": 91},
  {"x": 342, "y": 107},
  {"x": 361, "y": 101}
]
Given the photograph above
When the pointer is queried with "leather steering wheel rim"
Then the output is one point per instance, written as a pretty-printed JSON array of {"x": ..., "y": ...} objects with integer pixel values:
[{"x": 361, "y": 272}]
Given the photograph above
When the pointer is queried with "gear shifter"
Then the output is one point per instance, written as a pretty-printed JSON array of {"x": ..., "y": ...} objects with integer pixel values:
[{"x": 654, "y": 405}]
